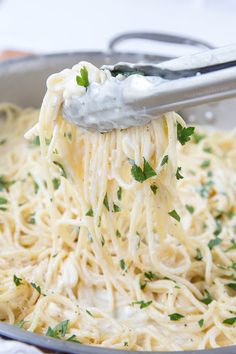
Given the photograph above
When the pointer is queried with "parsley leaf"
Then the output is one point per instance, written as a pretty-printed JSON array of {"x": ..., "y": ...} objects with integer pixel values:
[
  {"x": 199, "y": 255},
  {"x": 178, "y": 175},
  {"x": 56, "y": 183},
  {"x": 142, "y": 303},
  {"x": 89, "y": 313},
  {"x": 31, "y": 219},
  {"x": 184, "y": 134},
  {"x": 3, "y": 201},
  {"x": 116, "y": 208},
  {"x": 233, "y": 247},
  {"x": 72, "y": 338},
  {"x": 197, "y": 137},
  {"x": 58, "y": 331},
  {"x": 154, "y": 188},
  {"x": 82, "y": 79},
  {"x": 17, "y": 281},
  {"x": 190, "y": 208},
  {"x": 90, "y": 212},
  {"x": 122, "y": 264},
  {"x": 36, "y": 287},
  {"x": 230, "y": 321},
  {"x": 4, "y": 184},
  {"x": 118, "y": 234},
  {"x": 20, "y": 323},
  {"x": 173, "y": 213},
  {"x": 200, "y": 323},
  {"x": 232, "y": 286},
  {"x": 205, "y": 163},
  {"x": 164, "y": 160},
  {"x": 119, "y": 193},
  {"x": 63, "y": 172},
  {"x": 139, "y": 174},
  {"x": 3, "y": 141},
  {"x": 207, "y": 299},
  {"x": 214, "y": 242},
  {"x": 175, "y": 316},
  {"x": 105, "y": 202},
  {"x": 150, "y": 275}
]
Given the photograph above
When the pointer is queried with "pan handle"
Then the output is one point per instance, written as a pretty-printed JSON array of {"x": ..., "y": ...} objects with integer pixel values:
[{"x": 157, "y": 37}]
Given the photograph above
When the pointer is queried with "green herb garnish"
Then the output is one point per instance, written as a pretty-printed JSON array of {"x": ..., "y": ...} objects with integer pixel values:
[
  {"x": 90, "y": 212},
  {"x": 214, "y": 242},
  {"x": 118, "y": 234},
  {"x": 56, "y": 183},
  {"x": 20, "y": 323},
  {"x": 36, "y": 287},
  {"x": 31, "y": 219},
  {"x": 207, "y": 299},
  {"x": 184, "y": 134},
  {"x": 164, "y": 160},
  {"x": 3, "y": 201},
  {"x": 116, "y": 208},
  {"x": 150, "y": 275},
  {"x": 233, "y": 247},
  {"x": 82, "y": 79},
  {"x": 175, "y": 316},
  {"x": 105, "y": 202},
  {"x": 72, "y": 338},
  {"x": 17, "y": 281},
  {"x": 142, "y": 303},
  {"x": 63, "y": 172},
  {"x": 231, "y": 286},
  {"x": 200, "y": 323},
  {"x": 58, "y": 331},
  {"x": 3, "y": 141},
  {"x": 199, "y": 255},
  {"x": 119, "y": 193},
  {"x": 190, "y": 208},
  {"x": 178, "y": 174},
  {"x": 154, "y": 188},
  {"x": 122, "y": 264},
  {"x": 173, "y": 213},
  {"x": 4, "y": 184},
  {"x": 230, "y": 321},
  {"x": 141, "y": 175},
  {"x": 197, "y": 137},
  {"x": 205, "y": 163}
]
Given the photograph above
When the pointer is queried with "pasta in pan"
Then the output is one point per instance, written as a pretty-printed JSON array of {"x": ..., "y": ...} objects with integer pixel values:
[{"x": 124, "y": 239}]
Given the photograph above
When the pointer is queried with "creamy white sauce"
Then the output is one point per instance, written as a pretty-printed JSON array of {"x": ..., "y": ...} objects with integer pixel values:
[{"x": 106, "y": 104}]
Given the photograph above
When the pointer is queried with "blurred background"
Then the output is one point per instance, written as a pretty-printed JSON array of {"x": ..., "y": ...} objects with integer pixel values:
[{"x": 46, "y": 26}]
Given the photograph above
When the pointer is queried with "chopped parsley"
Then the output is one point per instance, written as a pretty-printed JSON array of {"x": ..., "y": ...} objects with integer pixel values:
[
  {"x": 36, "y": 287},
  {"x": 150, "y": 275},
  {"x": 207, "y": 149},
  {"x": 58, "y": 331},
  {"x": 232, "y": 247},
  {"x": 63, "y": 172},
  {"x": 154, "y": 188},
  {"x": 119, "y": 193},
  {"x": 142, "y": 284},
  {"x": 3, "y": 141},
  {"x": 20, "y": 323},
  {"x": 141, "y": 175},
  {"x": 178, "y": 174},
  {"x": 102, "y": 241},
  {"x": 205, "y": 163},
  {"x": 56, "y": 183},
  {"x": 204, "y": 190},
  {"x": 214, "y": 242},
  {"x": 230, "y": 321},
  {"x": 197, "y": 137},
  {"x": 199, "y": 255},
  {"x": 232, "y": 286},
  {"x": 190, "y": 208},
  {"x": 17, "y": 281},
  {"x": 164, "y": 160},
  {"x": 173, "y": 213},
  {"x": 207, "y": 299},
  {"x": 105, "y": 202},
  {"x": 90, "y": 212},
  {"x": 175, "y": 316},
  {"x": 89, "y": 313},
  {"x": 31, "y": 219},
  {"x": 82, "y": 79},
  {"x": 4, "y": 184},
  {"x": 200, "y": 323},
  {"x": 218, "y": 228},
  {"x": 184, "y": 134},
  {"x": 116, "y": 208},
  {"x": 122, "y": 264},
  {"x": 35, "y": 141},
  {"x": 142, "y": 303},
  {"x": 72, "y": 338},
  {"x": 3, "y": 201},
  {"x": 118, "y": 234}
]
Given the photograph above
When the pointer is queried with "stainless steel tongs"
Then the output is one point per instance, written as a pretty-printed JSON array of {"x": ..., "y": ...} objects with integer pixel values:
[{"x": 180, "y": 83}]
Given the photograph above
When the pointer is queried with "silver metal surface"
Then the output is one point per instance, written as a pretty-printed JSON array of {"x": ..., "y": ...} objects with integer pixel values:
[
  {"x": 22, "y": 81},
  {"x": 187, "y": 81}
]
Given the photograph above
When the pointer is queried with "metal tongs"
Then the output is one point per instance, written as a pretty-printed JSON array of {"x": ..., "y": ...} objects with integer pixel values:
[{"x": 186, "y": 81}]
